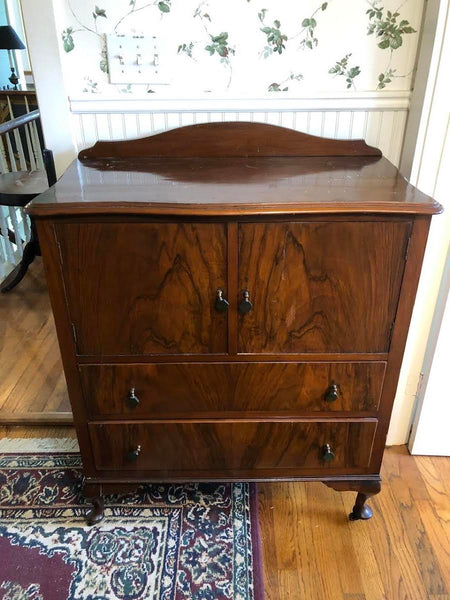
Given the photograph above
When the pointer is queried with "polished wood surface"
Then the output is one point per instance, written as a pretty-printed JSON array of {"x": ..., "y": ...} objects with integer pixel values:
[
  {"x": 215, "y": 450},
  {"x": 232, "y": 169},
  {"x": 229, "y": 139},
  {"x": 217, "y": 389},
  {"x": 136, "y": 281},
  {"x": 32, "y": 384},
  {"x": 320, "y": 287},
  {"x": 153, "y": 286},
  {"x": 233, "y": 186}
]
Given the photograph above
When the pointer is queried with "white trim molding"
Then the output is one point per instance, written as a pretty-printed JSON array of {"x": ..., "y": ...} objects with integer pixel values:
[{"x": 356, "y": 101}]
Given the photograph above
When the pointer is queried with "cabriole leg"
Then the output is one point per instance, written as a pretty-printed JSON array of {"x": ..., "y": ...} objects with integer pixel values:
[
  {"x": 361, "y": 510},
  {"x": 93, "y": 493},
  {"x": 366, "y": 489}
]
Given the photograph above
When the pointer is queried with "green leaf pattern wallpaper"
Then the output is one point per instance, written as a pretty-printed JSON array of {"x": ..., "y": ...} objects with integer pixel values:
[{"x": 246, "y": 48}]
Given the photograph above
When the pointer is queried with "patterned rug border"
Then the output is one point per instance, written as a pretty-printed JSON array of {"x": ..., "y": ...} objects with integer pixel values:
[{"x": 69, "y": 446}]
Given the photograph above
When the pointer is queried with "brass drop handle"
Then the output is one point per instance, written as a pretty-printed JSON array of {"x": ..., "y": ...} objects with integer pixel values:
[
  {"x": 327, "y": 453},
  {"x": 132, "y": 455},
  {"x": 133, "y": 400},
  {"x": 245, "y": 306},
  {"x": 332, "y": 393},
  {"x": 221, "y": 304}
]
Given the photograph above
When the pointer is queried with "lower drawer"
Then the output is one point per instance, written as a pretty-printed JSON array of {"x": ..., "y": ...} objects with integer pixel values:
[
  {"x": 219, "y": 448},
  {"x": 149, "y": 391}
]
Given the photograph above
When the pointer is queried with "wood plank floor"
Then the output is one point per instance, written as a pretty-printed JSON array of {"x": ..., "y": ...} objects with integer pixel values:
[
  {"x": 312, "y": 552},
  {"x": 31, "y": 378}
]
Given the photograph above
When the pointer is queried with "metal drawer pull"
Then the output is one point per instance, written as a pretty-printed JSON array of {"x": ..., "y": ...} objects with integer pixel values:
[
  {"x": 133, "y": 454},
  {"x": 327, "y": 453},
  {"x": 245, "y": 306},
  {"x": 332, "y": 393},
  {"x": 133, "y": 400},
  {"x": 221, "y": 304}
]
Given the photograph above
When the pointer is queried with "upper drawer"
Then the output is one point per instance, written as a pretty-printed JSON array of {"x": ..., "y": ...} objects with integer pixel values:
[
  {"x": 145, "y": 288},
  {"x": 330, "y": 286},
  {"x": 195, "y": 389}
]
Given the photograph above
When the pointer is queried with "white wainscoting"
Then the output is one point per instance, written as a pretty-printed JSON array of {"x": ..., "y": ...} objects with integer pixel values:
[{"x": 377, "y": 117}]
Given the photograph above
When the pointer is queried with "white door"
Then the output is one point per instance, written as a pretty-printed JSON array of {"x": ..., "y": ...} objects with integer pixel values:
[
  {"x": 431, "y": 428},
  {"x": 431, "y": 174}
]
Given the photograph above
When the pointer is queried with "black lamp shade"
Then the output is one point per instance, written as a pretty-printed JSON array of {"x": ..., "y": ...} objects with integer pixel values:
[{"x": 9, "y": 40}]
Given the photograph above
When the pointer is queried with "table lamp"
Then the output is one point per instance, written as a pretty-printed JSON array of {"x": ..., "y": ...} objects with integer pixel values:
[{"x": 9, "y": 40}]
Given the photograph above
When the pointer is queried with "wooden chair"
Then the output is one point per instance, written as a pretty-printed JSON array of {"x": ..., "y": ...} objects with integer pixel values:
[{"x": 16, "y": 190}]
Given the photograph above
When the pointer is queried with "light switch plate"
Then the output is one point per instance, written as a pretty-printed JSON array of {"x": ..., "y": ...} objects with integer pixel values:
[{"x": 133, "y": 59}]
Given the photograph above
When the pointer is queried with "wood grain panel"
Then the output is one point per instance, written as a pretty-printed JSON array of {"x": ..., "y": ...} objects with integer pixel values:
[
  {"x": 217, "y": 448},
  {"x": 381, "y": 126},
  {"x": 195, "y": 389},
  {"x": 145, "y": 288},
  {"x": 323, "y": 286},
  {"x": 229, "y": 139},
  {"x": 53, "y": 273}
]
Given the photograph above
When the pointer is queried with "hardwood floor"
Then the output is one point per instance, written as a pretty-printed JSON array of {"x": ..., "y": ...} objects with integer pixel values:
[
  {"x": 32, "y": 385},
  {"x": 312, "y": 552},
  {"x": 310, "y": 549}
]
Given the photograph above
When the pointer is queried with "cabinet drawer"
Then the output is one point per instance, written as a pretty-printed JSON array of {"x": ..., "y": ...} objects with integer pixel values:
[
  {"x": 193, "y": 389},
  {"x": 215, "y": 448}
]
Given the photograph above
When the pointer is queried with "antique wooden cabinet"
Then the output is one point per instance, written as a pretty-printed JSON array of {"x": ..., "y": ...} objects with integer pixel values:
[{"x": 232, "y": 302}]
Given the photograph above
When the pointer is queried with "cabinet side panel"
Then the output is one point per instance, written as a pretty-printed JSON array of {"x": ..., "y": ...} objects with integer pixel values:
[
  {"x": 53, "y": 273},
  {"x": 405, "y": 307}
]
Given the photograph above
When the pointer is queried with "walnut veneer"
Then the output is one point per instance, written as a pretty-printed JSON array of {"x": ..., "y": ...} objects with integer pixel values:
[{"x": 232, "y": 302}]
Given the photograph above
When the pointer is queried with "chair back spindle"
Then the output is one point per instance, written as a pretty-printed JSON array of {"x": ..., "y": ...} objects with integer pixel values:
[{"x": 20, "y": 150}]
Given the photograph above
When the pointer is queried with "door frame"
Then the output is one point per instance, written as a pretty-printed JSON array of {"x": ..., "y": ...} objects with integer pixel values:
[
  {"x": 426, "y": 140},
  {"x": 429, "y": 433}
]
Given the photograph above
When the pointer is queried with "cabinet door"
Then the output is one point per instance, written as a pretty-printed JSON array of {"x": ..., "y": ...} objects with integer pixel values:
[
  {"x": 145, "y": 288},
  {"x": 320, "y": 286}
]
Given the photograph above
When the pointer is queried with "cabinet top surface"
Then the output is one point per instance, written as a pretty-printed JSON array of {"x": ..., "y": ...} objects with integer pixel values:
[{"x": 231, "y": 169}]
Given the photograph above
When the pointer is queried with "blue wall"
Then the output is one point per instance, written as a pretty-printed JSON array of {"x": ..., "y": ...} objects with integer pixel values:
[{"x": 5, "y": 70}]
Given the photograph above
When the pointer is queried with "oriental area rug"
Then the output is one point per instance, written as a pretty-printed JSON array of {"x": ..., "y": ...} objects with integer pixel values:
[{"x": 193, "y": 541}]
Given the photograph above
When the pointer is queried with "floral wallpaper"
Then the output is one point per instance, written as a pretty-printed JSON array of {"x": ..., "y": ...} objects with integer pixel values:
[{"x": 252, "y": 48}]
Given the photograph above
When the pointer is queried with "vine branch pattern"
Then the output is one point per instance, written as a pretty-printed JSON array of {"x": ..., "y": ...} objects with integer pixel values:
[{"x": 387, "y": 26}]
